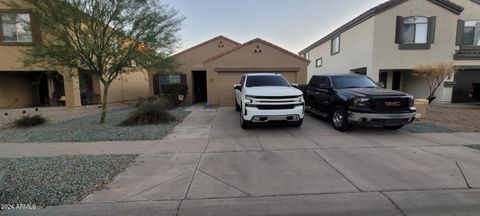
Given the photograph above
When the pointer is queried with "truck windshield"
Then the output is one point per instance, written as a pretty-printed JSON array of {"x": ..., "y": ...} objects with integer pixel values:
[
  {"x": 257, "y": 81},
  {"x": 342, "y": 82}
]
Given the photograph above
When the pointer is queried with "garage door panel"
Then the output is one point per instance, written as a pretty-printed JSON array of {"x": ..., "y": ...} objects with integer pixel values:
[
  {"x": 228, "y": 79},
  {"x": 463, "y": 84}
]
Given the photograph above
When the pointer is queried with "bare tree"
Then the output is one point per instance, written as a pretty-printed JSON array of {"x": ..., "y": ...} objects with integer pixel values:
[
  {"x": 104, "y": 36},
  {"x": 434, "y": 75}
]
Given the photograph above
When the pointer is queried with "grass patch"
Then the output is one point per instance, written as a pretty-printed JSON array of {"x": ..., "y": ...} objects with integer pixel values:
[
  {"x": 87, "y": 129},
  {"x": 474, "y": 146},
  {"x": 58, "y": 180},
  {"x": 29, "y": 121},
  {"x": 417, "y": 127}
]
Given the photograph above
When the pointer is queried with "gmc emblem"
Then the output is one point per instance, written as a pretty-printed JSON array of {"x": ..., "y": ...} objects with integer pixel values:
[{"x": 392, "y": 103}]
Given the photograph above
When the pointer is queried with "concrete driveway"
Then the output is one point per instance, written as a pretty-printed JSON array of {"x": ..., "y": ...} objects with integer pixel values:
[{"x": 208, "y": 165}]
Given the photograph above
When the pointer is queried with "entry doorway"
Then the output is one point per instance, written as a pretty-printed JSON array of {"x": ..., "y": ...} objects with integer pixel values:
[
  {"x": 89, "y": 88},
  {"x": 199, "y": 86},
  {"x": 396, "y": 80}
]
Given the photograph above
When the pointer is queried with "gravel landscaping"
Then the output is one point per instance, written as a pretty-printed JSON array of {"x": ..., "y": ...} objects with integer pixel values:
[
  {"x": 424, "y": 127},
  {"x": 87, "y": 129},
  {"x": 58, "y": 180},
  {"x": 52, "y": 114},
  {"x": 457, "y": 117}
]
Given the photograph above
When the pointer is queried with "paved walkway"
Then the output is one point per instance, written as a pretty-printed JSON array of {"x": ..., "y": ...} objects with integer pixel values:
[{"x": 209, "y": 166}]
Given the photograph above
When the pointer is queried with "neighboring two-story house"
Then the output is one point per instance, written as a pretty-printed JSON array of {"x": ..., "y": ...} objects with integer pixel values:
[
  {"x": 22, "y": 86},
  {"x": 388, "y": 41}
]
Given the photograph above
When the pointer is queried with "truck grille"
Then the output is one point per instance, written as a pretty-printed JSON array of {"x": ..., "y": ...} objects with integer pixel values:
[
  {"x": 390, "y": 104},
  {"x": 274, "y": 107},
  {"x": 276, "y": 97}
]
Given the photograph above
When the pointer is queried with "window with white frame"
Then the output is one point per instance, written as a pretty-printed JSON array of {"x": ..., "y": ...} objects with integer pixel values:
[
  {"x": 318, "y": 62},
  {"x": 335, "y": 45},
  {"x": 471, "y": 33},
  {"x": 169, "y": 79},
  {"x": 15, "y": 27},
  {"x": 415, "y": 30}
]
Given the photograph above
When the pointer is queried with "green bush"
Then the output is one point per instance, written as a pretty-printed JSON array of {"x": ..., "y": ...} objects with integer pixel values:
[
  {"x": 172, "y": 90},
  {"x": 29, "y": 121},
  {"x": 150, "y": 111}
]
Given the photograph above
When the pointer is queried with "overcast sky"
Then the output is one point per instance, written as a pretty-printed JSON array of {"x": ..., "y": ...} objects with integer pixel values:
[{"x": 291, "y": 24}]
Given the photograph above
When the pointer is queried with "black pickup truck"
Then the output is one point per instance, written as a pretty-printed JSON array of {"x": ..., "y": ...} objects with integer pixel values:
[{"x": 356, "y": 99}]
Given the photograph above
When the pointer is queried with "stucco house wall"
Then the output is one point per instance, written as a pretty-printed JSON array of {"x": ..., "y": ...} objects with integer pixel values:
[
  {"x": 192, "y": 59},
  {"x": 225, "y": 61},
  {"x": 244, "y": 60},
  {"x": 356, "y": 51},
  {"x": 129, "y": 87}
]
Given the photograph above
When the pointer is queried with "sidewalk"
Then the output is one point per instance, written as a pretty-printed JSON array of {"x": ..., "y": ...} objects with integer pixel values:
[{"x": 207, "y": 165}]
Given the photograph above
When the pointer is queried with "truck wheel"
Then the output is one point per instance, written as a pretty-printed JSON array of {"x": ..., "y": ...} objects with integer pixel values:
[
  {"x": 244, "y": 124},
  {"x": 340, "y": 118},
  {"x": 393, "y": 127},
  {"x": 237, "y": 107},
  {"x": 298, "y": 123}
]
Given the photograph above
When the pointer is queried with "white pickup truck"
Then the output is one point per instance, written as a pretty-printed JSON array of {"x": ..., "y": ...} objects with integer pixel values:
[{"x": 268, "y": 98}]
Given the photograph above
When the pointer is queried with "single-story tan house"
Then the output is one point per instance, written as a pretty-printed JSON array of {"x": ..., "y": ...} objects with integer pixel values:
[{"x": 211, "y": 68}]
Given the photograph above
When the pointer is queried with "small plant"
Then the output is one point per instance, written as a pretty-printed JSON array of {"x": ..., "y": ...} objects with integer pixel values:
[
  {"x": 434, "y": 75},
  {"x": 151, "y": 111},
  {"x": 29, "y": 121}
]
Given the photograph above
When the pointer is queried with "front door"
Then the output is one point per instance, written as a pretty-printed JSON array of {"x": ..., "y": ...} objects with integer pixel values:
[
  {"x": 396, "y": 79},
  {"x": 199, "y": 86}
]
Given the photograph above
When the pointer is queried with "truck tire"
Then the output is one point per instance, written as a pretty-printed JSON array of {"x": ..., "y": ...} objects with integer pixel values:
[
  {"x": 244, "y": 124},
  {"x": 298, "y": 123},
  {"x": 340, "y": 118},
  {"x": 393, "y": 127},
  {"x": 237, "y": 107}
]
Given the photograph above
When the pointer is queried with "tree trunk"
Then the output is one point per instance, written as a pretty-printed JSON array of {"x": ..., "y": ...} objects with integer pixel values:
[{"x": 104, "y": 103}]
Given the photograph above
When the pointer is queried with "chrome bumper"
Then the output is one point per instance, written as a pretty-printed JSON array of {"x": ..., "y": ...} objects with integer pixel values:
[
  {"x": 365, "y": 117},
  {"x": 268, "y": 118}
]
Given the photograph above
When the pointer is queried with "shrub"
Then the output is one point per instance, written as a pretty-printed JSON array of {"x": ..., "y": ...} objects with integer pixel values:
[
  {"x": 141, "y": 100},
  {"x": 153, "y": 111},
  {"x": 29, "y": 121},
  {"x": 172, "y": 90}
]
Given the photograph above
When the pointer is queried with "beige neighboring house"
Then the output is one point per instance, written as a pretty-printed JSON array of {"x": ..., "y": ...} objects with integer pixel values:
[
  {"x": 22, "y": 86},
  {"x": 211, "y": 68},
  {"x": 388, "y": 41}
]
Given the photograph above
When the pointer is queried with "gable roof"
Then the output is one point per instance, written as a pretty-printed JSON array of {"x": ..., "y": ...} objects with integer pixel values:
[
  {"x": 206, "y": 42},
  {"x": 254, "y": 41},
  {"x": 446, "y": 4}
]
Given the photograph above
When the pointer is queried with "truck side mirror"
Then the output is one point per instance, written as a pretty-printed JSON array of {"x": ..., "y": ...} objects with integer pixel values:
[
  {"x": 237, "y": 87},
  {"x": 294, "y": 85},
  {"x": 380, "y": 84}
]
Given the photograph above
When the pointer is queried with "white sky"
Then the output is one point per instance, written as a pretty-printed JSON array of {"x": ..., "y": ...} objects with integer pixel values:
[{"x": 291, "y": 24}]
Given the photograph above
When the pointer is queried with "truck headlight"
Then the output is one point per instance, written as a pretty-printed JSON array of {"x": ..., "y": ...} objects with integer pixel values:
[
  {"x": 360, "y": 101},
  {"x": 411, "y": 102},
  {"x": 301, "y": 100}
]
